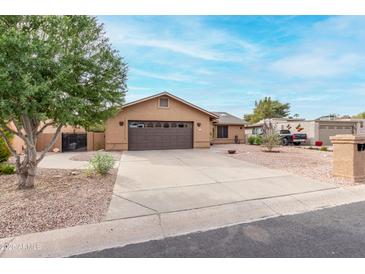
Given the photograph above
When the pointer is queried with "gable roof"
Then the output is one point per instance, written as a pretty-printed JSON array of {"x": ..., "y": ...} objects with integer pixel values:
[
  {"x": 228, "y": 119},
  {"x": 165, "y": 93}
]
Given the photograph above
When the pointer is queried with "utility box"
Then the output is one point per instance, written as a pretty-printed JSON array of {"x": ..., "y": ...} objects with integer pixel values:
[{"x": 349, "y": 157}]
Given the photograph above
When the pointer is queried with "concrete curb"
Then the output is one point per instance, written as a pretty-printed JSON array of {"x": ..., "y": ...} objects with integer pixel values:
[{"x": 86, "y": 238}]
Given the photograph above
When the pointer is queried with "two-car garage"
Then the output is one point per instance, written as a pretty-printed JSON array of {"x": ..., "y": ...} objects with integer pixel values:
[{"x": 149, "y": 135}]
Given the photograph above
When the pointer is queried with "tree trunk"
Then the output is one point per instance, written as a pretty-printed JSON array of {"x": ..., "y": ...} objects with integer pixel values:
[
  {"x": 27, "y": 169},
  {"x": 26, "y": 177}
]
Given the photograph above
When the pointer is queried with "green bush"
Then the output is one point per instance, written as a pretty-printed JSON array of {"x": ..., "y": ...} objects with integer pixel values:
[
  {"x": 323, "y": 149},
  {"x": 7, "y": 169},
  {"x": 101, "y": 163},
  {"x": 251, "y": 140},
  {"x": 258, "y": 140},
  {"x": 4, "y": 151}
]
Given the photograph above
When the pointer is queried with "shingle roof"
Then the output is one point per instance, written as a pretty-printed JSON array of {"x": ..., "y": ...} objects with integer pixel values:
[{"x": 228, "y": 119}]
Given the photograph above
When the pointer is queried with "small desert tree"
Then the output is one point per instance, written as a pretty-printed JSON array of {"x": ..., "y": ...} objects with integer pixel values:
[
  {"x": 54, "y": 70},
  {"x": 270, "y": 138}
]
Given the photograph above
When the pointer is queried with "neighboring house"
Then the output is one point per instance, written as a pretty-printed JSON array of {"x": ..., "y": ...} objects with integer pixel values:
[
  {"x": 317, "y": 130},
  {"x": 253, "y": 129},
  {"x": 228, "y": 129}
]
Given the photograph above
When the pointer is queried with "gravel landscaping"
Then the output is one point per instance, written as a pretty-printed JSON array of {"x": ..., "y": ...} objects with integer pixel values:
[
  {"x": 299, "y": 161},
  {"x": 61, "y": 198}
]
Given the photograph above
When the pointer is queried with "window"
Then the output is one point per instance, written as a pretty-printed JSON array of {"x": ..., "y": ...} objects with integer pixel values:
[
  {"x": 136, "y": 125},
  {"x": 166, "y": 125},
  {"x": 150, "y": 124},
  {"x": 173, "y": 125},
  {"x": 257, "y": 130},
  {"x": 158, "y": 125},
  {"x": 164, "y": 103},
  {"x": 222, "y": 131}
]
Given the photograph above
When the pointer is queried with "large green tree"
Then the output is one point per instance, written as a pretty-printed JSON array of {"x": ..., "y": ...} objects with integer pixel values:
[
  {"x": 268, "y": 108},
  {"x": 55, "y": 70}
]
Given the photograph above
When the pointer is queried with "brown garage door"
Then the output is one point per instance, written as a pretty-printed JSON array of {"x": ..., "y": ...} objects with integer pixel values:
[{"x": 148, "y": 135}]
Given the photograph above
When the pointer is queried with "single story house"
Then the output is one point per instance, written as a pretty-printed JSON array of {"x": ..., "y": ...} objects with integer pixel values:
[
  {"x": 165, "y": 121},
  {"x": 316, "y": 130},
  {"x": 161, "y": 121}
]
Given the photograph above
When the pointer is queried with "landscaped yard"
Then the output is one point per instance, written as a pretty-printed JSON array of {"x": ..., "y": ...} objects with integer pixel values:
[
  {"x": 61, "y": 198},
  {"x": 299, "y": 161}
]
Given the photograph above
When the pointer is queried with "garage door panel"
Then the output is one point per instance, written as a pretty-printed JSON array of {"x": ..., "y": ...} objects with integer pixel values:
[
  {"x": 141, "y": 137},
  {"x": 326, "y": 133}
]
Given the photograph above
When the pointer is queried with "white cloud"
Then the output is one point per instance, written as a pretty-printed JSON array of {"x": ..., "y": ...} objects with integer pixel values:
[
  {"x": 329, "y": 48},
  {"x": 162, "y": 76},
  {"x": 310, "y": 98},
  {"x": 187, "y": 37},
  {"x": 175, "y": 46},
  {"x": 316, "y": 65}
]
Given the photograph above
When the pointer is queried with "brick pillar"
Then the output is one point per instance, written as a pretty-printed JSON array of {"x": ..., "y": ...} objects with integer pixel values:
[{"x": 349, "y": 157}]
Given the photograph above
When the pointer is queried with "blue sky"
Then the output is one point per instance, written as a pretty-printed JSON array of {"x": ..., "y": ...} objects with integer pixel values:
[{"x": 225, "y": 63}]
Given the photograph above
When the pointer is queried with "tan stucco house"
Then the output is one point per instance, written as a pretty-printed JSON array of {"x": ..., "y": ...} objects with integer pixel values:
[
  {"x": 161, "y": 121},
  {"x": 165, "y": 121}
]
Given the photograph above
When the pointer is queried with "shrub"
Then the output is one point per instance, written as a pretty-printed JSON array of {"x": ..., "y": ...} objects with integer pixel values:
[
  {"x": 4, "y": 151},
  {"x": 270, "y": 138},
  {"x": 102, "y": 163},
  {"x": 271, "y": 141},
  {"x": 323, "y": 149},
  {"x": 7, "y": 169},
  {"x": 258, "y": 140},
  {"x": 251, "y": 140}
]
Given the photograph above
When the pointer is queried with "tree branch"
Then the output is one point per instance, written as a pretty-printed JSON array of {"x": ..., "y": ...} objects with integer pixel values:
[
  {"x": 18, "y": 131},
  {"x": 10, "y": 129},
  {"x": 44, "y": 127},
  {"x": 53, "y": 141}
]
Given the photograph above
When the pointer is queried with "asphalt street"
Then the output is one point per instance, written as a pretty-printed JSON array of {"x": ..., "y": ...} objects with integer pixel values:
[{"x": 332, "y": 232}]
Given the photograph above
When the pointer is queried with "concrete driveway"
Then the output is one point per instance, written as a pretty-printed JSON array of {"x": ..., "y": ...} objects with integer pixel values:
[{"x": 155, "y": 182}]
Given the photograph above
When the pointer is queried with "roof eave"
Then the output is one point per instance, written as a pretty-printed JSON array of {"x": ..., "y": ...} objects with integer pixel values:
[{"x": 165, "y": 93}]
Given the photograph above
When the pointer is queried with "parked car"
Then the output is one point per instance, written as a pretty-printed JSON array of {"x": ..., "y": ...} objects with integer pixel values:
[{"x": 292, "y": 138}]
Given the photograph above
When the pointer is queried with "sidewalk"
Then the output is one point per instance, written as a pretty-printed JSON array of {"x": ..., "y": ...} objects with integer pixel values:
[{"x": 152, "y": 226}]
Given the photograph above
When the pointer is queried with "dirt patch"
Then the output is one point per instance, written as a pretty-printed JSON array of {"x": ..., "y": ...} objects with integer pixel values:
[
  {"x": 313, "y": 164},
  {"x": 61, "y": 198},
  {"x": 86, "y": 156}
]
